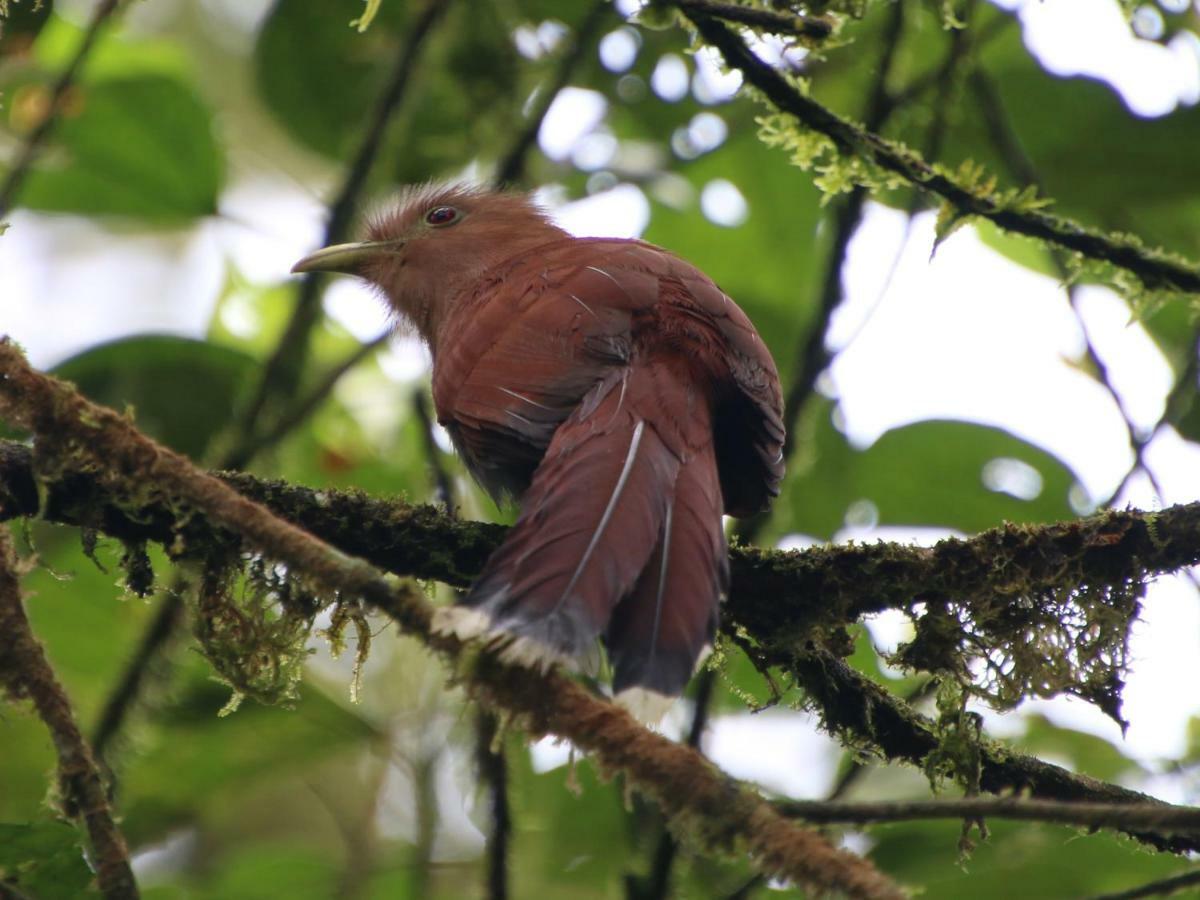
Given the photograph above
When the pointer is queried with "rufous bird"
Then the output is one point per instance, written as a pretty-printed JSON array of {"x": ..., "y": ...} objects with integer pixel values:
[{"x": 613, "y": 390}]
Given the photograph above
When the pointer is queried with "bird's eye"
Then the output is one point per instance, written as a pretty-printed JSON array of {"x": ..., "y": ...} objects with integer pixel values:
[{"x": 442, "y": 215}]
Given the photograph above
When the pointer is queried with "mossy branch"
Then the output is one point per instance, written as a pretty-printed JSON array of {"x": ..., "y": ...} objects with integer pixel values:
[
  {"x": 719, "y": 813},
  {"x": 1155, "y": 269},
  {"x": 25, "y": 673}
]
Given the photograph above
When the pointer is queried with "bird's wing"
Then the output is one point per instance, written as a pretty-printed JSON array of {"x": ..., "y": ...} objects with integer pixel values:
[{"x": 539, "y": 331}]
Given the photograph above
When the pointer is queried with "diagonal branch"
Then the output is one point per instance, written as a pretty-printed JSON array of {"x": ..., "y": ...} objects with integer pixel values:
[
  {"x": 1120, "y": 816},
  {"x": 778, "y": 597},
  {"x": 1155, "y": 268},
  {"x": 282, "y": 369},
  {"x": 26, "y": 673},
  {"x": 722, "y": 815}
]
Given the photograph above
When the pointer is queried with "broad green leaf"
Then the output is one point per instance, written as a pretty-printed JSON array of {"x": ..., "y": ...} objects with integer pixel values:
[
  {"x": 318, "y": 75},
  {"x": 1049, "y": 861},
  {"x": 137, "y": 146},
  {"x": 926, "y": 474},
  {"x": 221, "y": 755},
  {"x": 182, "y": 391},
  {"x": 43, "y": 861}
]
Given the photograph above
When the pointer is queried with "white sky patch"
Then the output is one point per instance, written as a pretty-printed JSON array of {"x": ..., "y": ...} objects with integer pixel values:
[
  {"x": 619, "y": 49},
  {"x": 623, "y": 211},
  {"x": 574, "y": 113},
  {"x": 1091, "y": 37},
  {"x": 356, "y": 307},
  {"x": 670, "y": 78},
  {"x": 723, "y": 204},
  {"x": 778, "y": 749},
  {"x": 970, "y": 336},
  {"x": 713, "y": 83},
  {"x": 69, "y": 283}
]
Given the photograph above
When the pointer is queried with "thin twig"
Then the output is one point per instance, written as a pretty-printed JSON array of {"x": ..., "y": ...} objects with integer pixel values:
[
  {"x": 811, "y": 28},
  {"x": 297, "y": 414},
  {"x": 28, "y": 153},
  {"x": 493, "y": 770},
  {"x": 26, "y": 673},
  {"x": 490, "y": 759},
  {"x": 678, "y": 778},
  {"x": 1154, "y": 268},
  {"x": 1123, "y": 816},
  {"x": 282, "y": 369},
  {"x": 131, "y": 684},
  {"x": 1161, "y": 888},
  {"x": 511, "y": 169}
]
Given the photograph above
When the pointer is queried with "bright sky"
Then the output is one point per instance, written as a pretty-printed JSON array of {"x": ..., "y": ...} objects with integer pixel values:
[{"x": 68, "y": 284}]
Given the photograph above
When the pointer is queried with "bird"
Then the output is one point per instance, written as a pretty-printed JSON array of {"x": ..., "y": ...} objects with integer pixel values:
[{"x": 614, "y": 392}]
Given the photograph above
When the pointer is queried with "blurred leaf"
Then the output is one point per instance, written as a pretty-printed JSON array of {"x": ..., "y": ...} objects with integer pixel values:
[
  {"x": 43, "y": 861},
  {"x": 21, "y": 25},
  {"x": 108, "y": 157},
  {"x": 190, "y": 759},
  {"x": 926, "y": 474},
  {"x": 318, "y": 75},
  {"x": 1081, "y": 751},
  {"x": 265, "y": 872},
  {"x": 182, "y": 391},
  {"x": 1099, "y": 162},
  {"x": 1049, "y": 862}
]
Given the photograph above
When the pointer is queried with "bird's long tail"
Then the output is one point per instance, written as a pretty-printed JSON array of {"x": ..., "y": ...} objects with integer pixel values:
[{"x": 619, "y": 538}]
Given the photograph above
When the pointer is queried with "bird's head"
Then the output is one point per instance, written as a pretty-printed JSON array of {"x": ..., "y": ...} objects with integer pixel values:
[{"x": 433, "y": 244}]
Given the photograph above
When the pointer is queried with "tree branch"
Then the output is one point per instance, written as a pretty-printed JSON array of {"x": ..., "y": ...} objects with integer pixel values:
[
  {"x": 780, "y": 598},
  {"x": 812, "y": 29},
  {"x": 721, "y": 814},
  {"x": 863, "y": 712},
  {"x": 1154, "y": 268},
  {"x": 1121, "y": 816},
  {"x": 1161, "y": 888},
  {"x": 26, "y": 673}
]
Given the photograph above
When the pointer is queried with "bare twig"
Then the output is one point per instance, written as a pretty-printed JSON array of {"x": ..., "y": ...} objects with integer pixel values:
[
  {"x": 297, "y": 414},
  {"x": 1123, "y": 816},
  {"x": 811, "y": 28},
  {"x": 511, "y": 168},
  {"x": 131, "y": 684},
  {"x": 493, "y": 769},
  {"x": 283, "y": 368},
  {"x": 26, "y": 673},
  {"x": 682, "y": 782},
  {"x": 28, "y": 153},
  {"x": 1155, "y": 269}
]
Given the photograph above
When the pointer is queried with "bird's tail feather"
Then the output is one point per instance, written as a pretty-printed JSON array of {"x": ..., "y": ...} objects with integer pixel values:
[
  {"x": 590, "y": 520},
  {"x": 660, "y": 632}
]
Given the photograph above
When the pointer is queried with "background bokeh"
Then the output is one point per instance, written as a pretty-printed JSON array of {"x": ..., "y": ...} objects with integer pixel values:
[{"x": 147, "y": 260}]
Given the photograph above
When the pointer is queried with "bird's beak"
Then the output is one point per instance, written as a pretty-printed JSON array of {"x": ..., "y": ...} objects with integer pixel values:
[{"x": 345, "y": 258}]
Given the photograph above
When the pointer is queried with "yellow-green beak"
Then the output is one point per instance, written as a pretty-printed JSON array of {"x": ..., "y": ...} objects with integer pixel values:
[{"x": 345, "y": 258}]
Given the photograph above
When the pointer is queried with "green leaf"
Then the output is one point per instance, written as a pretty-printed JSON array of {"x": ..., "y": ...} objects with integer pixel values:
[
  {"x": 43, "y": 861},
  {"x": 139, "y": 146},
  {"x": 926, "y": 474},
  {"x": 318, "y": 75},
  {"x": 182, "y": 391},
  {"x": 1052, "y": 861},
  {"x": 192, "y": 761}
]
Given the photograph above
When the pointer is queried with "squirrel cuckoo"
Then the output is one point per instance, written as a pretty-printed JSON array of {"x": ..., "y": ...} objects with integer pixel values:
[{"x": 616, "y": 392}]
